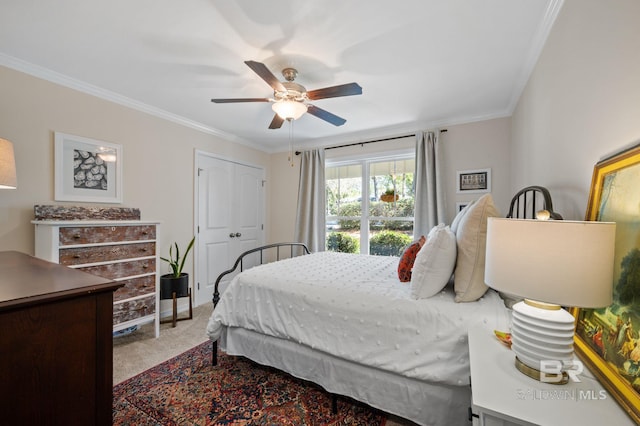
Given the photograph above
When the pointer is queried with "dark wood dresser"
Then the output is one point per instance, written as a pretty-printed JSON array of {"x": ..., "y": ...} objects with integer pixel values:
[{"x": 56, "y": 348}]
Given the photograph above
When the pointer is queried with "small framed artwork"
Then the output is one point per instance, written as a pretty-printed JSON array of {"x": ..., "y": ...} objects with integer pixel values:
[
  {"x": 87, "y": 170},
  {"x": 473, "y": 181},
  {"x": 461, "y": 205}
]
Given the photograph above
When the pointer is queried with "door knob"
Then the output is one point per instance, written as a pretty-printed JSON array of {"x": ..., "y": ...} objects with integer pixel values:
[
  {"x": 232, "y": 235},
  {"x": 238, "y": 234}
]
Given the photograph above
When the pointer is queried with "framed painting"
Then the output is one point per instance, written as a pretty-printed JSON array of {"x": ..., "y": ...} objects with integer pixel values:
[
  {"x": 607, "y": 339},
  {"x": 87, "y": 170},
  {"x": 473, "y": 181}
]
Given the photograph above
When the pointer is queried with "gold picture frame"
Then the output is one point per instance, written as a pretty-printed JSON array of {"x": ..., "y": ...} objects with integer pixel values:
[{"x": 606, "y": 339}]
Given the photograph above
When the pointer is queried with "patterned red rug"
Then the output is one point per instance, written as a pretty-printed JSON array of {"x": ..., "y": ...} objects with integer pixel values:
[{"x": 187, "y": 390}]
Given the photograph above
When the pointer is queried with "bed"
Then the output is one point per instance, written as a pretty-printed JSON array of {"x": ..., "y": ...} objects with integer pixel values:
[{"x": 347, "y": 323}]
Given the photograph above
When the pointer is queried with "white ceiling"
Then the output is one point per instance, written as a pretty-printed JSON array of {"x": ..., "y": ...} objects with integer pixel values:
[{"x": 421, "y": 63}]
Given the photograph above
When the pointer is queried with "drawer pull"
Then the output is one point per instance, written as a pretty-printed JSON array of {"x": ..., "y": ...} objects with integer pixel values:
[
  {"x": 76, "y": 256},
  {"x": 76, "y": 237}
]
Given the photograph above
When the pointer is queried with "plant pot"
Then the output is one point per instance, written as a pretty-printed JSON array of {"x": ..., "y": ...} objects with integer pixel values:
[
  {"x": 389, "y": 198},
  {"x": 170, "y": 284}
]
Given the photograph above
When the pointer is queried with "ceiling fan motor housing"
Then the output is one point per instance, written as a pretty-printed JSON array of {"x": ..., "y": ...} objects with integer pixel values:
[{"x": 295, "y": 92}]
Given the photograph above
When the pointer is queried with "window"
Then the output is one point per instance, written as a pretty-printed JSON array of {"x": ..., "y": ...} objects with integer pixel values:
[{"x": 383, "y": 189}]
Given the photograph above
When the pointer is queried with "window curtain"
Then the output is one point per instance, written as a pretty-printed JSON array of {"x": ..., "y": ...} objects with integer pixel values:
[
  {"x": 429, "y": 181},
  {"x": 310, "y": 217}
]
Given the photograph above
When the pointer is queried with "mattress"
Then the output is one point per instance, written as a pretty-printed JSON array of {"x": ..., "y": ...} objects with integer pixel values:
[{"x": 353, "y": 307}]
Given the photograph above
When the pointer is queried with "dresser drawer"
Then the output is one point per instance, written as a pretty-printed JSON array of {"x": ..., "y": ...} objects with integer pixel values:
[
  {"x": 134, "y": 309},
  {"x": 107, "y": 244},
  {"x": 135, "y": 287},
  {"x": 106, "y": 234},
  {"x": 122, "y": 269},
  {"x": 82, "y": 255}
]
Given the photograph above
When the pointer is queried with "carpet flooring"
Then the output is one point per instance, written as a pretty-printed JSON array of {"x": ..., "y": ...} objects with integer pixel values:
[{"x": 187, "y": 390}]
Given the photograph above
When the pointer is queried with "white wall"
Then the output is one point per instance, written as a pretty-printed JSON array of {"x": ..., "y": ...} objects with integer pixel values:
[
  {"x": 479, "y": 145},
  {"x": 582, "y": 101},
  {"x": 158, "y": 171}
]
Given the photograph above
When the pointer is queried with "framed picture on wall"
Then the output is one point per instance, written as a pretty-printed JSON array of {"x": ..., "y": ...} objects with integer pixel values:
[
  {"x": 607, "y": 339},
  {"x": 87, "y": 170},
  {"x": 461, "y": 205},
  {"x": 473, "y": 181}
]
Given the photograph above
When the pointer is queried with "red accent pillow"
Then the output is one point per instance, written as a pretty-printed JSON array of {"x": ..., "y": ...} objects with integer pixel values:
[{"x": 407, "y": 259}]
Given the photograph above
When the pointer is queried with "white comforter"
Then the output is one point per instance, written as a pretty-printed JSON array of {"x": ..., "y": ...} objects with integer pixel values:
[{"x": 354, "y": 307}]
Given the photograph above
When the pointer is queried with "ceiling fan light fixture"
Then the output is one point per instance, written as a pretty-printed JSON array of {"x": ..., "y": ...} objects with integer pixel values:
[{"x": 289, "y": 110}]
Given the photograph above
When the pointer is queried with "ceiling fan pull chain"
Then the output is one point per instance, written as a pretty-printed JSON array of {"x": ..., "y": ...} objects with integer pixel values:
[{"x": 290, "y": 142}]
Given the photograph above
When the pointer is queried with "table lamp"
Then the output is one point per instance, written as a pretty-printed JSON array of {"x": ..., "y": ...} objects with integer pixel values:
[
  {"x": 8, "y": 178},
  {"x": 549, "y": 263}
]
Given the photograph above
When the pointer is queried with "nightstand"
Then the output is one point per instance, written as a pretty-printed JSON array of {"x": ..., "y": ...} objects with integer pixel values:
[{"x": 501, "y": 395}]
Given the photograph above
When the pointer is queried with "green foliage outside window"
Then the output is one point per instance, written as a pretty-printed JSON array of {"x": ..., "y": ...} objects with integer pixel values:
[
  {"x": 401, "y": 208},
  {"x": 344, "y": 243},
  {"x": 389, "y": 243}
]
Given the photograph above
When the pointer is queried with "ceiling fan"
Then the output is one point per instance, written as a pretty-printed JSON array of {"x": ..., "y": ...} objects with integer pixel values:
[{"x": 290, "y": 100}]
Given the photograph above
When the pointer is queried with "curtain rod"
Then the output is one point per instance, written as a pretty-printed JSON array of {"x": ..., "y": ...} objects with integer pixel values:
[{"x": 373, "y": 141}]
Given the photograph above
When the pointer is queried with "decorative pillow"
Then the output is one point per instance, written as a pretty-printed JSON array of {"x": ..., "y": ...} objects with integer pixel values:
[
  {"x": 456, "y": 220},
  {"x": 407, "y": 260},
  {"x": 434, "y": 263},
  {"x": 472, "y": 238}
]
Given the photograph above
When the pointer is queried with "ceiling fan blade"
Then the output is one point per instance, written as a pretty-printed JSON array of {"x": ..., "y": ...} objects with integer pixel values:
[
  {"x": 325, "y": 115},
  {"x": 264, "y": 73},
  {"x": 348, "y": 89},
  {"x": 276, "y": 123},
  {"x": 232, "y": 100}
]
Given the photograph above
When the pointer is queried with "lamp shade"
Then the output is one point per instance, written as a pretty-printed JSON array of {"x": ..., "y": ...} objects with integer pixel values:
[
  {"x": 289, "y": 109},
  {"x": 8, "y": 179},
  {"x": 568, "y": 263}
]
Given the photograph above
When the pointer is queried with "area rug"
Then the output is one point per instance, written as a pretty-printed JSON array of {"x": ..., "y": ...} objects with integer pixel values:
[{"x": 187, "y": 390}]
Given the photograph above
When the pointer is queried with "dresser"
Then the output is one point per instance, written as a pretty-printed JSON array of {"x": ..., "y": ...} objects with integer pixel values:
[
  {"x": 121, "y": 250},
  {"x": 56, "y": 366}
]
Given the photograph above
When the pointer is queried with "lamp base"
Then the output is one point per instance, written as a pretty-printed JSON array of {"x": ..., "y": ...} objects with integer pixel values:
[
  {"x": 542, "y": 340},
  {"x": 556, "y": 379}
]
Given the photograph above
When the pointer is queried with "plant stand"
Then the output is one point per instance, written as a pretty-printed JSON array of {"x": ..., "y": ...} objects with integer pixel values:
[
  {"x": 172, "y": 287},
  {"x": 174, "y": 318}
]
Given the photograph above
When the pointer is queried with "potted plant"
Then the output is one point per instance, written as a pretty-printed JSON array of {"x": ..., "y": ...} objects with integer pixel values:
[
  {"x": 389, "y": 196},
  {"x": 177, "y": 281}
]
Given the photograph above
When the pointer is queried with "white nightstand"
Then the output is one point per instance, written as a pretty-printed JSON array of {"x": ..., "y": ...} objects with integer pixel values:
[{"x": 501, "y": 395}]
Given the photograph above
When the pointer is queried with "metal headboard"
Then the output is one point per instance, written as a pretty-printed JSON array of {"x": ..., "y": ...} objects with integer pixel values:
[{"x": 527, "y": 202}]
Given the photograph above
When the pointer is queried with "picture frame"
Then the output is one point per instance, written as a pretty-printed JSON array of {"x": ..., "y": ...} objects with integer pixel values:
[
  {"x": 606, "y": 339},
  {"x": 461, "y": 205},
  {"x": 473, "y": 181},
  {"x": 87, "y": 170}
]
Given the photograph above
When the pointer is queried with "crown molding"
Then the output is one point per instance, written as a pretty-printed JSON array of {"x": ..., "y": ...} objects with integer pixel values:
[
  {"x": 537, "y": 46},
  {"x": 81, "y": 86}
]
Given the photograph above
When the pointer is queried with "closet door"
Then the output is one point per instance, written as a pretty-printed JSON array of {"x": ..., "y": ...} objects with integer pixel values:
[{"x": 230, "y": 218}]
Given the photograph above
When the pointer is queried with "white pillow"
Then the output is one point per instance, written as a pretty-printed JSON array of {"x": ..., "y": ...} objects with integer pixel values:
[
  {"x": 471, "y": 237},
  {"x": 434, "y": 263},
  {"x": 456, "y": 220}
]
